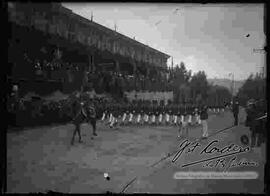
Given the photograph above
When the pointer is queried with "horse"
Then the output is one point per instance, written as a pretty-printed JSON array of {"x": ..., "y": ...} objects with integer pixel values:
[{"x": 80, "y": 112}]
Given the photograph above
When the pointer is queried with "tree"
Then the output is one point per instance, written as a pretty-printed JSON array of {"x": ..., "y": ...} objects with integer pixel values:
[
  {"x": 253, "y": 88},
  {"x": 199, "y": 86},
  {"x": 180, "y": 77}
]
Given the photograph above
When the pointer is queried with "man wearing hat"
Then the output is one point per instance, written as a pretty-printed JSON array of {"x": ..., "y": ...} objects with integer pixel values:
[
  {"x": 204, "y": 117},
  {"x": 235, "y": 110},
  {"x": 92, "y": 116},
  {"x": 80, "y": 116}
]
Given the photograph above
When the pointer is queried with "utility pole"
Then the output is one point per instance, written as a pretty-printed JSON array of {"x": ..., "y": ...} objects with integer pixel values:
[
  {"x": 91, "y": 16},
  {"x": 232, "y": 86}
]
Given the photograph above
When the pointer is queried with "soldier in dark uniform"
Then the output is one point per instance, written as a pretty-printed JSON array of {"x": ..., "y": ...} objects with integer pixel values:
[
  {"x": 80, "y": 116},
  {"x": 92, "y": 116},
  {"x": 250, "y": 121},
  {"x": 255, "y": 122},
  {"x": 235, "y": 110}
]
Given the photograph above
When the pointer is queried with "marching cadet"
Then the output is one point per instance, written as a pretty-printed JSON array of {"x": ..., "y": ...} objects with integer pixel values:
[
  {"x": 160, "y": 116},
  {"x": 124, "y": 117},
  {"x": 130, "y": 117},
  {"x": 175, "y": 117},
  {"x": 105, "y": 114},
  {"x": 138, "y": 119},
  {"x": 235, "y": 110},
  {"x": 110, "y": 113},
  {"x": 153, "y": 116},
  {"x": 198, "y": 116},
  {"x": 147, "y": 116},
  {"x": 167, "y": 116},
  {"x": 189, "y": 116},
  {"x": 204, "y": 117},
  {"x": 142, "y": 112},
  {"x": 178, "y": 116},
  {"x": 170, "y": 115},
  {"x": 112, "y": 119}
]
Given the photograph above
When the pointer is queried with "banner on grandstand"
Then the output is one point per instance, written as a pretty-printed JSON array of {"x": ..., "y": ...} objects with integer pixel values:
[{"x": 150, "y": 96}]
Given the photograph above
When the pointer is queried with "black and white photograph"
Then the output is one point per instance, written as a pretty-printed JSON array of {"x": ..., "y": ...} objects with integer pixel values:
[{"x": 136, "y": 97}]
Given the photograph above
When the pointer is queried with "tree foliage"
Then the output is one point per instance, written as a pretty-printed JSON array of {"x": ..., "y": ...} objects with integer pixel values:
[
  {"x": 195, "y": 88},
  {"x": 253, "y": 88}
]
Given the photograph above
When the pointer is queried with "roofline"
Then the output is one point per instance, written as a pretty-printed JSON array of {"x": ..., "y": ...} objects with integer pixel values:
[{"x": 69, "y": 11}]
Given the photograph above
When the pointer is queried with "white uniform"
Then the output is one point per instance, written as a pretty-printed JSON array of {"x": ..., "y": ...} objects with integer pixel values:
[
  {"x": 103, "y": 116},
  {"x": 111, "y": 118},
  {"x": 124, "y": 117},
  {"x": 139, "y": 118},
  {"x": 175, "y": 119},
  {"x": 160, "y": 118},
  {"x": 167, "y": 118},
  {"x": 182, "y": 119},
  {"x": 153, "y": 119},
  {"x": 130, "y": 117},
  {"x": 190, "y": 119},
  {"x": 146, "y": 118}
]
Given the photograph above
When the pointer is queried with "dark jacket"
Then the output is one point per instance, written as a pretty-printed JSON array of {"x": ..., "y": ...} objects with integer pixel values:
[
  {"x": 235, "y": 108},
  {"x": 204, "y": 114}
]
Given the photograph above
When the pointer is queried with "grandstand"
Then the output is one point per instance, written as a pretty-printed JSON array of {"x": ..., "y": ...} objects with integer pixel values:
[{"x": 53, "y": 49}]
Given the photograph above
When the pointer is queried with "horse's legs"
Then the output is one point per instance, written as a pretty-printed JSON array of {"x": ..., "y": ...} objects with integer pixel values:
[
  {"x": 93, "y": 123},
  {"x": 79, "y": 132},
  {"x": 76, "y": 130},
  {"x": 74, "y": 133}
]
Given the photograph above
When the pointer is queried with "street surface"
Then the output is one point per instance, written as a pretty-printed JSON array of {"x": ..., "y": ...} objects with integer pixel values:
[{"x": 42, "y": 159}]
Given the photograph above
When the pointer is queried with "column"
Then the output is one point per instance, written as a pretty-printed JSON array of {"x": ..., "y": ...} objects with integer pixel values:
[
  {"x": 91, "y": 62},
  {"x": 134, "y": 73},
  {"x": 117, "y": 66},
  {"x": 147, "y": 71},
  {"x": 134, "y": 67}
]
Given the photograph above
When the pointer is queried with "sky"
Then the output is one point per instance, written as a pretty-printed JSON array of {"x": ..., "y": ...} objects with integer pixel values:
[{"x": 209, "y": 37}]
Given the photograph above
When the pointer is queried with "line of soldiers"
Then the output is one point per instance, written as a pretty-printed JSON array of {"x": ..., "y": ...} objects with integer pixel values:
[{"x": 152, "y": 114}]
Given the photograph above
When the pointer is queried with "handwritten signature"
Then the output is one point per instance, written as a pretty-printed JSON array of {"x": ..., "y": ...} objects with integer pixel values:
[
  {"x": 218, "y": 160},
  {"x": 233, "y": 162}
]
